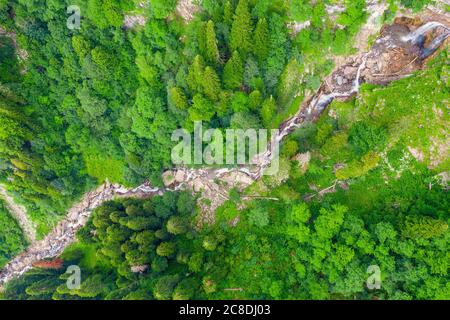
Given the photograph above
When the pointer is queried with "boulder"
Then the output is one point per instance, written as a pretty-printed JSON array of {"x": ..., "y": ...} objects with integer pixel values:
[
  {"x": 139, "y": 269},
  {"x": 303, "y": 160},
  {"x": 168, "y": 178}
]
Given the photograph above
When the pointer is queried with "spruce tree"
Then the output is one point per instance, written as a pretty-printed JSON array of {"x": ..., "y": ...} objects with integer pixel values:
[
  {"x": 233, "y": 73},
  {"x": 212, "y": 51},
  {"x": 202, "y": 109},
  {"x": 176, "y": 225},
  {"x": 211, "y": 84},
  {"x": 166, "y": 249},
  {"x": 163, "y": 289},
  {"x": 195, "y": 74},
  {"x": 177, "y": 98},
  {"x": 185, "y": 289},
  {"x": 201, "y": 38},
  {"x": 241, "y": 30},
  {"x": 228, "y": 13},
  {"x": 261, "y": 40},
  {"x": 268, "y": 111}
]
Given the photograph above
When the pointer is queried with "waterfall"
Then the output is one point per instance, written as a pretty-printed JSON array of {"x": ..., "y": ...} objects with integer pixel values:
[
  {"x": 434, "y": 45},
  {"x": 357, "y": 82},
  {"x": 415, "y": 36}
]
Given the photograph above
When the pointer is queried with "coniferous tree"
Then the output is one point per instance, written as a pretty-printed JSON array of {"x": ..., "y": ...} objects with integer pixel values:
[
  {"x": 415, "y": 227},
  {"x": 201, "y": 38},
  {"x": 176, "y": 225},
  {"x": 241, "y": 30},
  {"x": 177, "y": 98},
  {"x": 255, "y": 100},
  {"x": 212, "y": 51},
  {"x": 164, "y": 287},
  {"x": 210, "y": 243},
  {"x": 185, "y": 289},
  {"x": 202, "y": 109},
  {"x": 228, "y": 13},
  {"x": 268, "y": 111},
  {"x": 233, "y": 73},
  {"x": 166, "y": 249},
  {"x": 195, "y": 74},
  {"x": 261, "y": 40},
  {"x": 211, "y": 84}
]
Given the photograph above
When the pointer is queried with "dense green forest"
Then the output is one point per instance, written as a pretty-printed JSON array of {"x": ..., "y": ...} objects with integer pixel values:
[
  {"x": 393, "y": 214},
  {"x": 101, "y": 102},
  {"x": 78, "y": 107},
  {"x": 11, "y": 239}
]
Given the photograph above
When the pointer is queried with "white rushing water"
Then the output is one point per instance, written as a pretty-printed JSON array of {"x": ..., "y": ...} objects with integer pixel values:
[
  {"x": 434, "y": 45},
  {"x": 415, "y": 36}
]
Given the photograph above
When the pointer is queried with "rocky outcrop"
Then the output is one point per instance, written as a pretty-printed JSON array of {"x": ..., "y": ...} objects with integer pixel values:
[
  {"x": 139, "y": 269},
  {"x": 303, "y": 160},
  {"x": 212, "y": 185},
  {"x": 131, "y": 21},
  {"x": 186, "y": 9}
]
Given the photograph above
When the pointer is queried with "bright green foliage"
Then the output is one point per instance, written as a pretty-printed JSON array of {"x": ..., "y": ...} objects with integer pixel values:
[
  {"x": 358, "y": 168},
  {"x": 211, "y": 84},
  {"x": 177, "y": 98},
  {"x": 242, "y": 28},
  {"x": 228, "y": 13},
  {"x": 210, "y": 243},
  {"x": 277, "y": 57},
  {"x": 366, "y": 137},
  {"x": 416, "y": 5},
  {"x": 268, "y": 111},
  {"x": 11, "y": 238},
  {"x": 301, "y": 10},
  {"x": 354, "y": 15},
  {"x": 80, "y": 46},
  {"x": 261, "y": 40},
  {"x": 185, "y": 289},
  {"x": 176, "y": 225},
  {"x": 165, "y": 286},
  {"x": 118, "y": 258},
  {"x": 212, "y": 51},
  {"x": 166, "y": 249},
  {"x": 195, "y": 75},
  {"x": 202, "y": 109},
  {"x": 258, "y": 218},
  {"x": 162, "y": 8},
  {"x": 233, "y": 72},
  {"x": 289, "y": 83},
  {"x": 296, "y": 227},
  {"x": 423, "y": 227},
  {"x": 101, "y": 102},
  {"x": 329, "y": 222}
]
